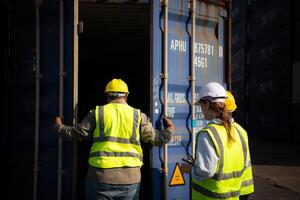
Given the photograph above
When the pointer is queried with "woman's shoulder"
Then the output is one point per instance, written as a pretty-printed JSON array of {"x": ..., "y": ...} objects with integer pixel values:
[{"x": 203, "y": 134}]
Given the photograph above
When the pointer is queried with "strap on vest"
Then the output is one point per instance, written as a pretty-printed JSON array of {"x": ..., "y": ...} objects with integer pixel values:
[
  {"x": 247, "y": 183},
  {"x": 115, "y": 154}
]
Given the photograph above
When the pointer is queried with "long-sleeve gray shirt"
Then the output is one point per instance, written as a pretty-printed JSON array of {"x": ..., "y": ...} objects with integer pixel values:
[{"x": 85, "y": 130}]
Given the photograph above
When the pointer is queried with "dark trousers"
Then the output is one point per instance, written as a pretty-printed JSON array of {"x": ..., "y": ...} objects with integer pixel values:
[{"x": 102, "y": 191}]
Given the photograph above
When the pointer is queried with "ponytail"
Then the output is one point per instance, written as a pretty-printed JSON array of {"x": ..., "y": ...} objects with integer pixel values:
[{"x": 225, "y": 118}]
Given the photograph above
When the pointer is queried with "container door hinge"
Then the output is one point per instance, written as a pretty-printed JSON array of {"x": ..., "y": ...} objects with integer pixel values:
[
  {"x": 39, "y": 76},
  {"x": 64, "y": 73},
  {"x": 163, "y": 170},
  {"x": 37, "y": 169},
  {"x": 223, "y": 13},
  {"x": 61, "y": 172},
  {"x": 163, "y": 76},
  {"x": 80, "y": 27},
  {"x": 190, "y": 78}
]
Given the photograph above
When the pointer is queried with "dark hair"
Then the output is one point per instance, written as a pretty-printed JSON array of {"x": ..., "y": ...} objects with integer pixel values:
[
  {"x": 114, "y": 96},
  {"x": 225, "y": 118}
]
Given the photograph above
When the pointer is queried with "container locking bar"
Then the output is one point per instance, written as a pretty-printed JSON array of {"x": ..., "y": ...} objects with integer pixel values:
[{"x": 165, "y": 80}]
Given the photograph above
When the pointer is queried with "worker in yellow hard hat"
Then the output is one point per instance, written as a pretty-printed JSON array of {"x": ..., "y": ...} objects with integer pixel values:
[
  {"x": 116, "y": 156},
  {"x": 116, "y": 86},
  {"x": 247, "y": 177}
]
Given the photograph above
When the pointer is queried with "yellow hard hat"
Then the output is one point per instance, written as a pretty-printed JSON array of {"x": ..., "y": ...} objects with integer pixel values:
[
  {"x": 230, "y": 102},
  {"x": 116, "y": 85}
]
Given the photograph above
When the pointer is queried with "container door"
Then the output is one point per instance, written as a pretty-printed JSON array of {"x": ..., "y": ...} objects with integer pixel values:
[
  {"x": 37, "y": 164},
  {"x": 209, "y": 65}
]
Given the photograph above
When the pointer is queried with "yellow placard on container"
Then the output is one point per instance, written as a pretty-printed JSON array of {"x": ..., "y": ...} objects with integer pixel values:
[{"x": 177, "y": 177}]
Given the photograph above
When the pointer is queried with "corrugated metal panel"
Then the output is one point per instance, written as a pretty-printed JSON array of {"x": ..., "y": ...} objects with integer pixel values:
[
  {"x": 270, "y": 104},
  {"x": 19, "y": 107},
  {"x": 239, "y": 92},
  {"x": 238, "y": 65},
  {"x": 21, "y": 102},
  {"x": 269, "y": 17},
  {"x": 238, "y": 11},
  {"x": 295, "y": 138},
  {"x": 256, "y": 3},
  {"x": 238, "y": 36},
  {"x": 296, "y": 83},
  {"x": 296, "y": 13},
  {"x": 296, "y": 42},
  {"x": 296, "y": 104},
  {"x": 270, "y": 51},
  {"x": 103, "y": 19}
]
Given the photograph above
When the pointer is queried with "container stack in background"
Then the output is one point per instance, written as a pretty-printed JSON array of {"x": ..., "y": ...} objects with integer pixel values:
[
  {"x": 266, "y": 67},
  {"x": 296, "y": 71},
  {"x": 239, "y": 58},
  {"x": 270, "y": 71}
]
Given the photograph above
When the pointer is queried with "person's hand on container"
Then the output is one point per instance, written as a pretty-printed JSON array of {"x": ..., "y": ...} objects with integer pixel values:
[
  {"x": 186, "y": 167},
  {"x": 58, "y": 121},
  {"x": 168, "y": 124}
]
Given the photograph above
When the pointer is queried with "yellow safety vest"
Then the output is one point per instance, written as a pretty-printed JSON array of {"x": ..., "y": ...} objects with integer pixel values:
[
  {"x": 247, "y": 177},
  {"x": 116, "y": 139},
  {"x": 226, "y": 182}
]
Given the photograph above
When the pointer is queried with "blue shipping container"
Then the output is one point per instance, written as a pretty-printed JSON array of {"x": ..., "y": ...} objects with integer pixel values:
[
  {"x": 209, "y": 64},
  {"x": 63, "y": 69}
]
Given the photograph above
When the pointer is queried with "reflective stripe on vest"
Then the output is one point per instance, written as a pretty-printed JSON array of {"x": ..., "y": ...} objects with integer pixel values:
[
  {"x": 247, "y": 183},
  {"x": 247, "y": 177},
  {"x": 221, "y": 184},
  {"x": 114, "y": 145},
  {"x": 208, "y": 193}
]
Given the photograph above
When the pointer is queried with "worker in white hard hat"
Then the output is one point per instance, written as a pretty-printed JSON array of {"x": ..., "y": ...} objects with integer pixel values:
[
  {"x": 116, "y": 156},
  {"x": 219, "y": 155},
  {"x": 247, "y": 177}
]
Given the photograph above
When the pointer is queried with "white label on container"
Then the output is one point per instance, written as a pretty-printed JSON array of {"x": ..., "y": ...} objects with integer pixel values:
[
  {"x": 180, "y": 98},
  {"x": 171, "y": 111},
  {"x": 178, "y": 45}
]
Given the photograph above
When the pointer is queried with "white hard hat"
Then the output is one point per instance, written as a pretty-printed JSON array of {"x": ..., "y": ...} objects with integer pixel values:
[{"x": 213, "y": 92}]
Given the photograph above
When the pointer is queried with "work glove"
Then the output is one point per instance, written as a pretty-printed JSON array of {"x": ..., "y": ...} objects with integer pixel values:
[{"x": 168, "y": 124}]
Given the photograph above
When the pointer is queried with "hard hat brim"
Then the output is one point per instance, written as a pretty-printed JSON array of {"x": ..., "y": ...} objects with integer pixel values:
[{"x": 210, "y": 99}]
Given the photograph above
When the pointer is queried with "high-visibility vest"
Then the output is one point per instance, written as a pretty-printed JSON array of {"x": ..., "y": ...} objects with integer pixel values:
[
  {"x": 247, "y": 177},
  {"x": 226, "y": 182},
  {"x": 116, "y": 138}
]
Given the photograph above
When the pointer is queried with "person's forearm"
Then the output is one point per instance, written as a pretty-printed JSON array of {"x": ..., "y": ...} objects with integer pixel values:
[
  {"x": 83, "y": 130},
  {"x": 155, "y": 137},
  {"x": 71, "y": 132}
]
